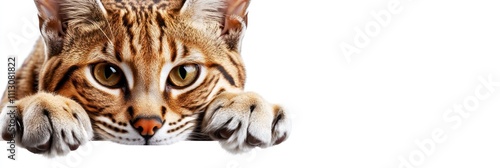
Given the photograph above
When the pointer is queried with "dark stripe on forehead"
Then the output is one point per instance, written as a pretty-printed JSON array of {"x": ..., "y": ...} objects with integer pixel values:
[
  {"x": 159, "y": 20},
  {"x": 161, "y": 24},
  {"x": 118, "y": 47},
  {"x": 173, "y": 50},
  {"x": 118, "y": 56},
  {"x": 146, "y": 39},
  {"x": 185, "y": 51},
  {"x": 145, "y": 15},
  {"x": 128, "y": 25},
  {"x": 160, "y": 47},
  {"x": 116, "y": 53},
  {"x": 104, "y": 49}
]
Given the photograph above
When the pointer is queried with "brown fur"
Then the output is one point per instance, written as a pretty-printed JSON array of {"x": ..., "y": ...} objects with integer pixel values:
[{"x": 144, "y": 36}]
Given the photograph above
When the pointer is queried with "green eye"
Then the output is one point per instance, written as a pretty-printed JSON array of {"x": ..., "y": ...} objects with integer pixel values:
[
  {"x": 183, "y": 76},
  {"x": 107, "y": 74}
]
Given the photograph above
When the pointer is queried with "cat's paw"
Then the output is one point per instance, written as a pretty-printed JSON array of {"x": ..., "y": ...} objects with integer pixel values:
[
  {"x": 243, "y": 121},
  {"x": 49, "y": 124}
]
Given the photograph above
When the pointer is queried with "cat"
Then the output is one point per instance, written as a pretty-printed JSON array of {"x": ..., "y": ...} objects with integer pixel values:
[{"x": 136, "y": 72}]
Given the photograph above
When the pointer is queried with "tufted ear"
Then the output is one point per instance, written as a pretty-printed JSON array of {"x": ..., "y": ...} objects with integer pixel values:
[
  {"x": 235, "y": 22},
  {"x": 230, "y": 15},
  {"x": 57, "y": 16},
  {"x": 235, "y": 15},
  {"x": 50, "y": 24}
]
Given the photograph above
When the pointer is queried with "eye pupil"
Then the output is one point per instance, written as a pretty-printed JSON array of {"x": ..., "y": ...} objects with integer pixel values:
[
  {"x": 108, "y": 72},
  {"x": 182, "y": 72}
]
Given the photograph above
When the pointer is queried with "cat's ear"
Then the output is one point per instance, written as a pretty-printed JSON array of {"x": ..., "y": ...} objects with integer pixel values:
[
  {"x": 50, "y": 24},
  {"x": 235, "y": 15},
  {"x": 56, "y": 17},
  {"x": 230, "y": 15},
  {"x": 235, "y": 22}
]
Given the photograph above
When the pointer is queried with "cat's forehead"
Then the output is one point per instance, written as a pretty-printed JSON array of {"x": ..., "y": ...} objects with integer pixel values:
[
  {"x": 142, "y": 5},
  {"x": 155, "y": 32}
]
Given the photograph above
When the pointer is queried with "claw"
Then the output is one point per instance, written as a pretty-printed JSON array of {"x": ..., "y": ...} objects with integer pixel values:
[
  {"x": 6, "y": 136},
  {"x": 281, "y": 139},
  {"x": 73, "y": 147},
  {"x": 225, "y": 133},
  {"x": 253, "y": 141},
  {"x": 41, "y": 148}
]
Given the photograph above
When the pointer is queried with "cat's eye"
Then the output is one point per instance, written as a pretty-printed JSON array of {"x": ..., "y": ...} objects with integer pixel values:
[
  {"x": 183, "y": 75},
  {"x": 108, "y": 75}
]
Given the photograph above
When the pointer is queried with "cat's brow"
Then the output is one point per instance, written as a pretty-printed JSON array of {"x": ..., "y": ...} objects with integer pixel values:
[
  {"x": 194, "y": 56},
  {"x": 100, "y": 58}
]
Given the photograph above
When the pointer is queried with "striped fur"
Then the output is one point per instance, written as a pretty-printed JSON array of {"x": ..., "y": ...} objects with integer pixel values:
[{"x": 145, "y": 40}]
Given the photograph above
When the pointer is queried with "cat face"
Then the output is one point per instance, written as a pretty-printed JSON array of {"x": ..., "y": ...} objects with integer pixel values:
[{"x": 142, "y": 70}]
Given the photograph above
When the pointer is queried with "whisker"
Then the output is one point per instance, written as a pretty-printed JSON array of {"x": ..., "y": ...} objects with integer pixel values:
[
  {"x": 107, "y": 22},
  {"x": 95, "y": 24},
  {"x": 106, "y": 133},
  {"x": 184, "y": 131},
  {"x": 198, "y": 136}
]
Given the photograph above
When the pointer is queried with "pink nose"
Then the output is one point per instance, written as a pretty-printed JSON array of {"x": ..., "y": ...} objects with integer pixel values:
[{"x": 147, "y": 126}]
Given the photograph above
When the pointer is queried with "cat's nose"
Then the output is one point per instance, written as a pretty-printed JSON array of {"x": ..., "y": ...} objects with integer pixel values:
[{"x": 147, "y": 126}]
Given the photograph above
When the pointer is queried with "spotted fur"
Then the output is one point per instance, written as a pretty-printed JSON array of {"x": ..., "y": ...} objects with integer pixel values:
[{"x": 63, "y": 105}]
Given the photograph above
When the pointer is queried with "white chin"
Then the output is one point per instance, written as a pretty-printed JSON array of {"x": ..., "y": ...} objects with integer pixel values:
[{"x": 167, "y": 140}]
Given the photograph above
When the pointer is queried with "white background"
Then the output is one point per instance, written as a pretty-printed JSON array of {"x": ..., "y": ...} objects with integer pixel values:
[{"x": 364, "y": 113}]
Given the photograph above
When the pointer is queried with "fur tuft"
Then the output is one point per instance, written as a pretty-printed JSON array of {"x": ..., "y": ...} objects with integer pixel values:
[
  {"x": 204, "y": 10},
  {"x": 78, "y": 13}
]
